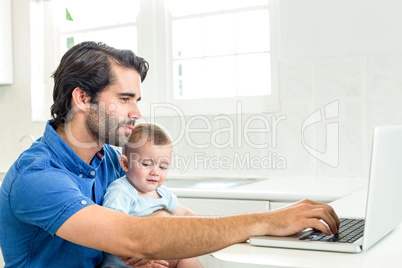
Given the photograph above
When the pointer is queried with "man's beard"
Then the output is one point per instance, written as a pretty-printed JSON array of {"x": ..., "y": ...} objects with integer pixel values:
[{"x": 106, "y": 128}]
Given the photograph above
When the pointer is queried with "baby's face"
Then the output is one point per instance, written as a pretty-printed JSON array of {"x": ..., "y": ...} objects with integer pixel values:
[{"x": 148, "y": 166}]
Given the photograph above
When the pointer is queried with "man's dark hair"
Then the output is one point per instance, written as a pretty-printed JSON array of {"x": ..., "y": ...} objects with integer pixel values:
[{"x": 88, "y": 66}]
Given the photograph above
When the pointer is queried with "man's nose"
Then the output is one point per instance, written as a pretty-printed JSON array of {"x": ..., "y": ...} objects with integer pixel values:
[{"x": 135, "y": 112}]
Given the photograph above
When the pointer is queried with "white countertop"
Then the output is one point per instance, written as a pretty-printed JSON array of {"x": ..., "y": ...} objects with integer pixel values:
[
  {"x": 282, "y": 189},
  {"x": 386, "y": 253}
]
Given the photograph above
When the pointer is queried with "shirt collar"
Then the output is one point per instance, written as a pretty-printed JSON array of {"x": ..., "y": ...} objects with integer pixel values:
[{"x": 67, "y": 155}]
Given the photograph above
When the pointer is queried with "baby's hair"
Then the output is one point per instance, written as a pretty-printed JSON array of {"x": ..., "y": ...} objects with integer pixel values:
[{"x": 145, "y": 132}]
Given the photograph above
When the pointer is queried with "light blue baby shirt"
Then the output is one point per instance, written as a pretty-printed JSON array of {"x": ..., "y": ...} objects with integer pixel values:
[{"x": 122, "y": 196}]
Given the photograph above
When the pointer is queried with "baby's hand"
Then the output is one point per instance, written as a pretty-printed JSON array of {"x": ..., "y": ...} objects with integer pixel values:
[
  {"x": 133, "y": 262},
  {"x": 153, "y": 264}
]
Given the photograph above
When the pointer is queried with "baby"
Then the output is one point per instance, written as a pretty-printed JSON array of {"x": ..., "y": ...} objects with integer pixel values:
[{"x": 146, "y": 161}]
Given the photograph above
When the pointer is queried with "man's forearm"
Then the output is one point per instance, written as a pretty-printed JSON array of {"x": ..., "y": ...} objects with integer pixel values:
[
  {"x": 156, "y": 237},
  {"x": 183, "y": 237}
]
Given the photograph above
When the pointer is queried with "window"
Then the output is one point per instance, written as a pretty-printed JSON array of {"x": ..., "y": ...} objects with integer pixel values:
[
  {"x": 54, "y": 31},
  {"x": 97, "y": 20},
  {"x": 222, "y": 47},
  {"x": 205, "y": 56},
  {"x": 217, "y": 57},
  {"x": 221, "y": 55}
]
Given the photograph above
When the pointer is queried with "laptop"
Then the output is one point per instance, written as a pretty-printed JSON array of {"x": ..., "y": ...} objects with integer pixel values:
[{"x": 384, "y": 189}]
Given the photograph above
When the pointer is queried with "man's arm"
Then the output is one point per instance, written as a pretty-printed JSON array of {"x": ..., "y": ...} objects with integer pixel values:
[{"x": 184, "y": 237}]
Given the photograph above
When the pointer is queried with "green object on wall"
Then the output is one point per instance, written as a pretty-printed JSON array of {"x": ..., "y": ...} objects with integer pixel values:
[
  {"x": 70, "y": 42},
  {"x": 68, "y": 16}
]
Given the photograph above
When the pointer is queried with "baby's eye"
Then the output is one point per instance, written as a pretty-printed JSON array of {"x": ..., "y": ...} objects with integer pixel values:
[
  {"x": 163, "y": 167},
  {"x": 146, "y": 164}
]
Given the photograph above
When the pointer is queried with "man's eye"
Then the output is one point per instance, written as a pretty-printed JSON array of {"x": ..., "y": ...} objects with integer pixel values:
[{"x": 125, "y": 99}]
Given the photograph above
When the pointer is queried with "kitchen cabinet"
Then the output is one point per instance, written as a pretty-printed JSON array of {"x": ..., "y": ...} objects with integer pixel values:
[
  {"x": 6, "y": 55},
  {"x": 264, "y": 195},
  {"x": 276, "y": 205},
  {"x": 217, "y": 207}
]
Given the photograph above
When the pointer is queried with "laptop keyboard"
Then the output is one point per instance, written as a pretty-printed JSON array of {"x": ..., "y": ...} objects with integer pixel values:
[{"x": 350, "y": 230}]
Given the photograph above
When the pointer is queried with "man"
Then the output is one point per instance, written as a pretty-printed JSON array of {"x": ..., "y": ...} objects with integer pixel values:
[{"x": 50, "y": 213}]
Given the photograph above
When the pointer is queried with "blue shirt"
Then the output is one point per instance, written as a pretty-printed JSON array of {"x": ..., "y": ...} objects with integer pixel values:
[
  {"x": 122, "y": 196},
  {"x": 47, "y": 184}
]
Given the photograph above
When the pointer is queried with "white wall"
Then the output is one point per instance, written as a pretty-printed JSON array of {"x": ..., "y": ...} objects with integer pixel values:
[
  {"x": 6, "y": 61},
  {"x": 331, "y": 50},
  {"x": 15, "y": 99},
  {"x": 349, "y": 51}
]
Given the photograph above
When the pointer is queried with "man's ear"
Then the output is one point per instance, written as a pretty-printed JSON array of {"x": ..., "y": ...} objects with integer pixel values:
[
  {"x": 80, "y": 99},
  {"x": 123, "y": 162}
]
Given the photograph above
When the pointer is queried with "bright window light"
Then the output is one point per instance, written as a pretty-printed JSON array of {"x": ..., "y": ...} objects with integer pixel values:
[{"x": 221, "y": 50}]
